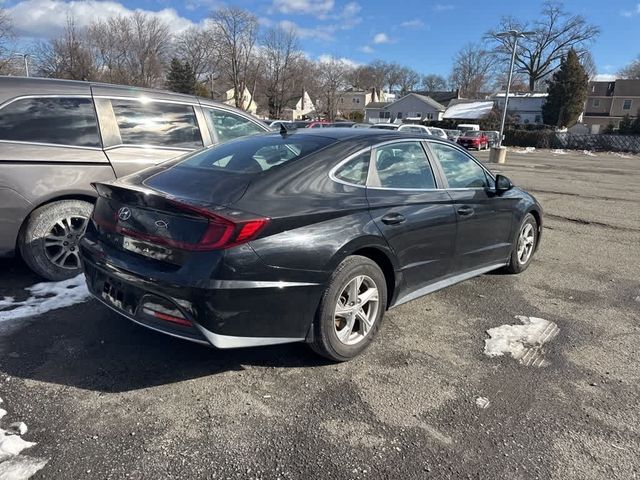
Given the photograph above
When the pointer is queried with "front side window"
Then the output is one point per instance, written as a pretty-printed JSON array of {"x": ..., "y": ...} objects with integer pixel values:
[
  {"x": 626, "y": 104},
  {"x": 460, "y": 170},
  {"x": 60, "y": 121},
  {"x": 157, "y": 123},
  {"x": 355, "y": 170},
  {"x": 229, "y": 125},
  {"x": 403, "y": 165}
]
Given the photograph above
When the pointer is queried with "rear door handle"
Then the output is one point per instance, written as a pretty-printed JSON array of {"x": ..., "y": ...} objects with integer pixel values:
[
  {"x": 393, "y": 218},
  {"x": 465, "y": 211}
]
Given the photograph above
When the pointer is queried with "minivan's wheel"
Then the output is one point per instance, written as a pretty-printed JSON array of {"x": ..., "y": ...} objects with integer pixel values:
[
  {"x": 524, "y": 246},
  {"x": 49, "y": 239},
  {"x": 351, "y": 309}
]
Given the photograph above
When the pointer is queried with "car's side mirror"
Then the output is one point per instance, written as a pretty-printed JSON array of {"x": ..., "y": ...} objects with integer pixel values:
[{"x": 503, "y": 184}]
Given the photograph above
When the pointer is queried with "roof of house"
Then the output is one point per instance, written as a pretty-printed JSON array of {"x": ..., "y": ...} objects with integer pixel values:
[
  {"x": 428, "y": 100},
  {"x": 293, "y": 102},
  {"x": 522, "y": 95},
  {"x": 377, "y": 104},
  {"x": 468, "y": 110},
  {"x": 442, "y": 97}
]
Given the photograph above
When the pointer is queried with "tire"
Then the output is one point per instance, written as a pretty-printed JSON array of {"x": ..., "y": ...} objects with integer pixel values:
[
  {"x": 516, "y": 265},
  {"x": 63, "y": 222},
  {"x": 331, "y": 337}
]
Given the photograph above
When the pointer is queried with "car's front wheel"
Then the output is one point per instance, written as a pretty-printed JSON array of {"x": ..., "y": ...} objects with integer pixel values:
[
  {"x": 524, "y": 245},
  {"x": 49, "y": 239},
  {"x": 351, "y": 309}
]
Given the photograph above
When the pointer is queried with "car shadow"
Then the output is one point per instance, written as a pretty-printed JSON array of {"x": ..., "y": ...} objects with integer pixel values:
[{"x": 88, "y": 346}]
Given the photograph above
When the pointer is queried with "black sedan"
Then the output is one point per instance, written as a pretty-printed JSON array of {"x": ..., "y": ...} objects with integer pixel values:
[{"x": 301, "y": 237}]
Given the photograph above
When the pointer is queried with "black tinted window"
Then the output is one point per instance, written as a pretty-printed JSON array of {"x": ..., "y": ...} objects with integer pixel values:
[
  {"x": 403, "y": 165},
  {"x": 255, "y": 154},
  {"x": 157, "y": 123},
  {"x": 63, "y": 121},
  {"x": 355, "y": 170},
  {"x": 229, "y": 125},
  {"x": 461, "y": 170}
]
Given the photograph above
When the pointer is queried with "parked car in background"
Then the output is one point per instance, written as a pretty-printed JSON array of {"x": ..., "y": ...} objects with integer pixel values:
[
  {"x": 437, "y": 132},
  {"x": 473, "y": 139},
  {"x": 408, "y": 127},
  {"x": 59, "y": 136},
  {"x": 318, "y": 124},
  {"x": 219, "y": 246},
  {"x": 453, "y": 134},
  {"x": 385, "y": 126},
  {"x": 493, "y": 137},
  {"x": 465, "y": 127}
]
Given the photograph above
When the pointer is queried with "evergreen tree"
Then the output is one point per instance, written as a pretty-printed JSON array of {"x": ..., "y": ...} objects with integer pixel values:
[
  {"x": 626, "y": 125},
  {"x": 567, "y": 93},
  {"x": 181, "y": 78}
]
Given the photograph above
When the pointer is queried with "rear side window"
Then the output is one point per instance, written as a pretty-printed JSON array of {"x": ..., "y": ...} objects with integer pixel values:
[
  {"x": 404, "y": 165},
  {"x": 157, "y": 123},
  {"x": 255, "y": 154},
  {"x": 229, "y": 125},
  {"x": 61, "y": 121},
  {"x": 355, "y": 170},
  {"x": 461, "y": 170}
]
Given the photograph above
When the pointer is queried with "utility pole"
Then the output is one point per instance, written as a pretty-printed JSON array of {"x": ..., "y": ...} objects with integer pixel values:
[{"x": 25, "y": 56}]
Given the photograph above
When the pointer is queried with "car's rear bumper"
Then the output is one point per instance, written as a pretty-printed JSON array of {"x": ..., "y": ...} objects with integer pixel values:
[{"x": 224, "y": 313}]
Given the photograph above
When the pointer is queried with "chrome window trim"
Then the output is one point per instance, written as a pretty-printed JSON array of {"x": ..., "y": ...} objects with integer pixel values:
[
  {"x": 46, "y": 95},
  {"x": 147, "y": 146},
  {"x": 346, "y": 160},
  {"x": 44, "y": 144},
  {"x": 145, "y": 99}
]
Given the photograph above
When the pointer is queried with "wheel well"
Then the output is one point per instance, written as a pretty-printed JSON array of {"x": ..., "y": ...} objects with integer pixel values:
[
  {"x": 382, "y": 260},
  {"x": 79, "y": 196}
]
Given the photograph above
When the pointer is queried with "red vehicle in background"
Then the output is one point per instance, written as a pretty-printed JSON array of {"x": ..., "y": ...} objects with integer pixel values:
[
  {"x": 473, "y": 139},
  {"x": 319, "y": 124}
]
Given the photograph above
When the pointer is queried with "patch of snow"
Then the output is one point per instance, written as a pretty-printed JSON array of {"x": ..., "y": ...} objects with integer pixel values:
[
  {"x": 523, "y": 342},
  {"x": 558, "y": 151},
  {"x": 526, "y": 150},
  {"x": 19, "y": 428},
  {"x": 589, "y": 153},
  {"x": 621, "y": 155},
  {"x": 482, "y": 402},
  {"x": 13, "y": 465},
  {"x": 44, "y": 297}
]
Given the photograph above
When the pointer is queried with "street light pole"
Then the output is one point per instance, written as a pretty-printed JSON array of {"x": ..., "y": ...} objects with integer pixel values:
[
  {"x": 26, "y": 63},
  {"x": 516, "y": 35}
]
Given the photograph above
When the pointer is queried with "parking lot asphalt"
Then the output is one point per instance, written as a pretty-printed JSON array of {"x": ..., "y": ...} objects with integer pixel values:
[{"x": 107, "y": 399}]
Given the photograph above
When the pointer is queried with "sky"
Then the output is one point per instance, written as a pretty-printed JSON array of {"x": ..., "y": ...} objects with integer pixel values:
[{"x": 422, "y": 34}]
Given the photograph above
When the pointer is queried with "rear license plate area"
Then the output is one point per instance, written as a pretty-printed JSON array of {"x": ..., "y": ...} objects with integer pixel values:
[{"x": 114, "y": 294}]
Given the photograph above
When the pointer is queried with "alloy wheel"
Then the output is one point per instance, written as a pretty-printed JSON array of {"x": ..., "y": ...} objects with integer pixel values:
[
  {"x": 526, "y": 242},
  {"x": 61, "y": 242},
  {"x": 356, "y": 310}
]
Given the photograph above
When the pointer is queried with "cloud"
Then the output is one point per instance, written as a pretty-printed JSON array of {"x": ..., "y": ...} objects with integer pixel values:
[
  {"x": 366, "y": 49},
  {"x": 47, "y": 18},
  {"x": 381, "y": 38},
  {"x": 319, "y": 33},
  {"x": 413, "y": 24},
  {"x": 632, "y": 13},
  {"x": 326, "y": 58},
  {"x": 303, "y": 7},
  {"x": 442, "y": 7}
]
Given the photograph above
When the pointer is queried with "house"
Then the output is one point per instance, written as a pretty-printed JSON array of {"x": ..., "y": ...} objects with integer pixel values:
[
  {"x": 226, "y": 95},
  {"x": 523, "y": 108},
  {"x": 608, "y": 102},
  {"x": 410, "y": 108},
  {"x": 298, "y": 107},
  {"x": 468, "y": 109},
  {"x": 442, "y": 97},
  {"x": 353, "y": 100}
]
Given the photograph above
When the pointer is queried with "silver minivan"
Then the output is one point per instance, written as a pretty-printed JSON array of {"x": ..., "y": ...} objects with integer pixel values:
[{"x": 58, "y": 136}]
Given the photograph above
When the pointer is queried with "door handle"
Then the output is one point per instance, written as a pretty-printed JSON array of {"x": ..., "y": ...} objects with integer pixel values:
[
  {"x": 465, "y": 211},
  {"x": 393, "y": 218}
]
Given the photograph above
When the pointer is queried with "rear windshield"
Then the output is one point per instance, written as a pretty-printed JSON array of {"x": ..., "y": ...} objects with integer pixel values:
[
  {"x": 255, "y": 154},
  {"x": 472, "y": 133}
]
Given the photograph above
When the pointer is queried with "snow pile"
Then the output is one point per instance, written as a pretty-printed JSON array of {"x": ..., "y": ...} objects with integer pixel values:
[
  {"x": 482, "y": 402},
  {"x": 558, "y": 151},
  {"x": 523, "y": 342},
  {"x": 621, "y": 155},
  {"x": 526, "y": 150},
  {"x": 45, "y": 296},
  {"x": 589, "y": 153},
  {"x": 13, "y": 465}
]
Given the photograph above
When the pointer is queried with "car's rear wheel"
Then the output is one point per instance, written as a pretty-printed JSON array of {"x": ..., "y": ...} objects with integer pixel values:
[
  {"x": 351, "y": 309},
  {"x": 49, "y": 240},
  {"x": 524, "y": 245}
]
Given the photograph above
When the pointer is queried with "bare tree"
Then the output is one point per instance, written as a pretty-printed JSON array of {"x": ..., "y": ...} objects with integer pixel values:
[
  {"x": 631, "y": 71},
  {"x": 333, "y": 76},
  {"x": 235, "y": 33},
  {"x": 472, "y": 69},
  {"x": 197, "y": 46},
  {"x": 540, "y": 54},
  {"x": 280, "y": 51},
  {"x": 433, "y": 82},
  {"x": 131, "y": 49},
  {"x": 407, "y": 79},
  {"x": 68, "y": 56},
  {"x": 6, "y": 35}
]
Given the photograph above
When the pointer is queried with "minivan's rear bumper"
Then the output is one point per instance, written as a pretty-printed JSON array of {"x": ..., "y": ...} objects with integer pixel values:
[{"x": 223, "y": 313}]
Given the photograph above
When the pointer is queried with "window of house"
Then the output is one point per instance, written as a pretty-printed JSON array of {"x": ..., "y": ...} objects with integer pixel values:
[
  {"x": 399, "y": 114},
  {"x": 538, "y": 119},
  {"x": 61, "y": 121},
  {"x": 157, "y": 123},
  {"x": 626, "y": 104},
  {"x": 595, "y": 102},
  {"x": 403, "y": 165},
  {"x": 459, "y": 168},
  {"x": 355, "y": 170},
  {"x": 386, "y": 114}
]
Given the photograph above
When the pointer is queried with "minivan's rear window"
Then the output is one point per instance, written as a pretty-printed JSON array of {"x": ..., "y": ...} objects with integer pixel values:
[
  {"x": 255, "y": 154},
  {"x": 57, "y": 120}
]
